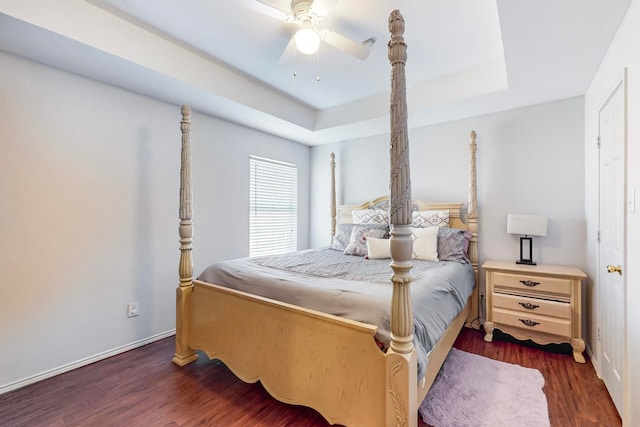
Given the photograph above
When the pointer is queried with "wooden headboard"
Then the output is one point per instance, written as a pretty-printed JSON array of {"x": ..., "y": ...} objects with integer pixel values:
[{"x": 344, "y": 216}]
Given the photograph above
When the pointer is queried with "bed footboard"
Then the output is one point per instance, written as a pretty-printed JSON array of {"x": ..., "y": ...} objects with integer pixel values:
[
  {"x": 309, "y": 358},
  {"x": 301, "y": 356}
]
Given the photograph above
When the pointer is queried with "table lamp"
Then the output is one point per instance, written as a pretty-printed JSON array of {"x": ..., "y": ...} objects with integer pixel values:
[{"x": 526, "y": 226}]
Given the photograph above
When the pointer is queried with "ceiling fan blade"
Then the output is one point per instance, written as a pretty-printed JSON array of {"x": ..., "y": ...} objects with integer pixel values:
[
  {"x": 288, "y": 53},
  {"x": 321, "y": 8},
  {"x": 359, "y": 50},
  {"x": 283, "y": 6}
]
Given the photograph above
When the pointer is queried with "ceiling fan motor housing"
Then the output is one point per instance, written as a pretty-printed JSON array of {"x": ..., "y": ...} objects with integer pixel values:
[{"x": 302, "y": 12}]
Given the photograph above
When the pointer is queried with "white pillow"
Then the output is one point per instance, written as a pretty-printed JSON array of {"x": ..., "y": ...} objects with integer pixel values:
[
  {"x": 430, "y": 218},
  {"x": 378, "y": 248},
  {"x": 359, "y": 236},
  {"x": 425, "y": 243},
  {"x": 370, "y": 216}
]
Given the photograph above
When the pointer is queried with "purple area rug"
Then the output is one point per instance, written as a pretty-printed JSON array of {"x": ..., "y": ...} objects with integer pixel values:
[{"x": 473, "y": 390}]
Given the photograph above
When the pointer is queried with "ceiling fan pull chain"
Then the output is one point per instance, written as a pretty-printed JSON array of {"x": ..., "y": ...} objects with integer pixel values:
[
  {"x": 318, "y": 65},
  {"x": 295, "y": 61}
]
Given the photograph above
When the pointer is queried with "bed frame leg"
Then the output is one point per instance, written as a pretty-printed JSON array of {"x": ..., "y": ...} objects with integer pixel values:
[{"x": 184, "y": 354}]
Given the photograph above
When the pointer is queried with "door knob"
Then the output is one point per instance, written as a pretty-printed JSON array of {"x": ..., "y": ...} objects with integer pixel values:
[{"x": 613, "y": 269}]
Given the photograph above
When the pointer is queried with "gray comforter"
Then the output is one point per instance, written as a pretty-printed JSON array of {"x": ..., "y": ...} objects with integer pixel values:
[{"x": 354, "y": 287}]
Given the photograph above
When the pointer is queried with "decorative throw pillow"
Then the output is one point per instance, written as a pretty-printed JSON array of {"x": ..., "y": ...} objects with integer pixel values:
[
  {"x": 425, "y": 243},
  {"x": 430, "y": 218},
  {"x": 453, "y": 244},
  {"x": 378, "y": 248},
  {"x": 358, "y": 243},
  {"x": 342, "y": 237},
  {"x": 370, "y": 216}
]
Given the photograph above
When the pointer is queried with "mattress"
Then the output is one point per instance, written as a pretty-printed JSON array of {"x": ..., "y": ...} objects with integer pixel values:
[{"x": 354, "y": 287}]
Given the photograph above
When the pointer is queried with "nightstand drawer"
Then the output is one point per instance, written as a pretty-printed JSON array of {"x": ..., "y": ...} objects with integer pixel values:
[
  {"x": 532, "y": 305},
  {"x": 530, "y": 283},
  {"x": 533, "y": 322}
]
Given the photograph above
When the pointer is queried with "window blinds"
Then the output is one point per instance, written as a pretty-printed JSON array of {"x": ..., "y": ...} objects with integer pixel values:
[{"x": 273, "y": 207}]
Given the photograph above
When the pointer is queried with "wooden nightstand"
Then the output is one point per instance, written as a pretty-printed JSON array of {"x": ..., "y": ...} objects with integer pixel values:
[{"x": 537, "y": 302}]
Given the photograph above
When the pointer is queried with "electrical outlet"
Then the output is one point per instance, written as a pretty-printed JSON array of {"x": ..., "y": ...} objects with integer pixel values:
[{"x": 132, "y": 309}]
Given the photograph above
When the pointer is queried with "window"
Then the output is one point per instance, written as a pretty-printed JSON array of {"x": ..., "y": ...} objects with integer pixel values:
[{"x": 273, "y": 207}]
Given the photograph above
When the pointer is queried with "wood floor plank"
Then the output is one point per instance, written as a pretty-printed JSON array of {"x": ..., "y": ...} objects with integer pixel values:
[{"x": 143, "y": 388}]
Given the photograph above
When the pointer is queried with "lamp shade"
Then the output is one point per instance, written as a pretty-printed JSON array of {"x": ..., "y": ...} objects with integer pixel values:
[{"x": 528, "y": 225}]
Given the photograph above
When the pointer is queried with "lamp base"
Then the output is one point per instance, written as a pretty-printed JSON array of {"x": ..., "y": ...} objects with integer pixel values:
[{"x": 526, "y": 254}]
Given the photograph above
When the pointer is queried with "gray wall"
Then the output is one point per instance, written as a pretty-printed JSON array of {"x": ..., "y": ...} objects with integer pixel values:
[
  {"x": 89, "y": 178},
  {"x": 529, "y": 160}
]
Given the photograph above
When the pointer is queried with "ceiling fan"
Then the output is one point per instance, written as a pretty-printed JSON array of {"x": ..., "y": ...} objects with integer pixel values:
[{"x": 308, "y": 15}]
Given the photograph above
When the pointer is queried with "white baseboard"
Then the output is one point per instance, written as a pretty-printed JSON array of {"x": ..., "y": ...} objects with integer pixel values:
[
  {"x": 594, "y": 361},
  {"x": 83, "y": 362}
]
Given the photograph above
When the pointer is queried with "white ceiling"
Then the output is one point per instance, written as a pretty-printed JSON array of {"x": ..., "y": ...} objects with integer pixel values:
[{"x": 465, "y": 57}]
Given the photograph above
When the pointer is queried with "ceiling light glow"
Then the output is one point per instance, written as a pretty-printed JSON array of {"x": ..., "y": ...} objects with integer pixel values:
[{"x": 307, "y": 39}]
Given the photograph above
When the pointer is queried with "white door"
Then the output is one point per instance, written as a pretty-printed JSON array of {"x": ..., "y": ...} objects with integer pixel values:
[{"x": 611, "y": 290}]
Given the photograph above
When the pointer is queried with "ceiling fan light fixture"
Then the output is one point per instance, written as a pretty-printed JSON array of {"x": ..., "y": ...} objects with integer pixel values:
[{"x": 307, "y": 39}]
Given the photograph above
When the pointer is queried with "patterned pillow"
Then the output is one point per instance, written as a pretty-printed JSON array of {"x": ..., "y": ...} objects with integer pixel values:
[
  {"x": 370, "y": 216},
  {"x": 342, "y": 237},
  {"x": 430, "y": 218},
  {"x": 453, "y": 244},
  {"x": 358, "y": 243},
  {"x": 425, "y": 243}
]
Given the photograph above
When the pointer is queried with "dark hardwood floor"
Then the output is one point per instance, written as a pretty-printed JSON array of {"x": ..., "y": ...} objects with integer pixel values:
[{"x": 143, "y": 388}]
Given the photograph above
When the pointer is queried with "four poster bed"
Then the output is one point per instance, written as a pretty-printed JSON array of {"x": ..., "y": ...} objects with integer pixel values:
[{"x": 351, "y": 370}]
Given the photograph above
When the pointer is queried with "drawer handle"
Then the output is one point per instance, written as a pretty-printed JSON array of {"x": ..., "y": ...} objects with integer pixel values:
[
  {"x": 529, "y": 323},
  {"x": 528, "y": 305},
  {"x": 529, "y": 283}
]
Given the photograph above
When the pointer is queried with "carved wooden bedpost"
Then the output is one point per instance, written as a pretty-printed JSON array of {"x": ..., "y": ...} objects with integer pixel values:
[
  {"x": 472, "y": 221},
  {"x": 333, "y": 197},
  {"x": 472, "y": 211},
  {"x": 402, "y": 407},
  {"x": 184, "y": 354}
]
